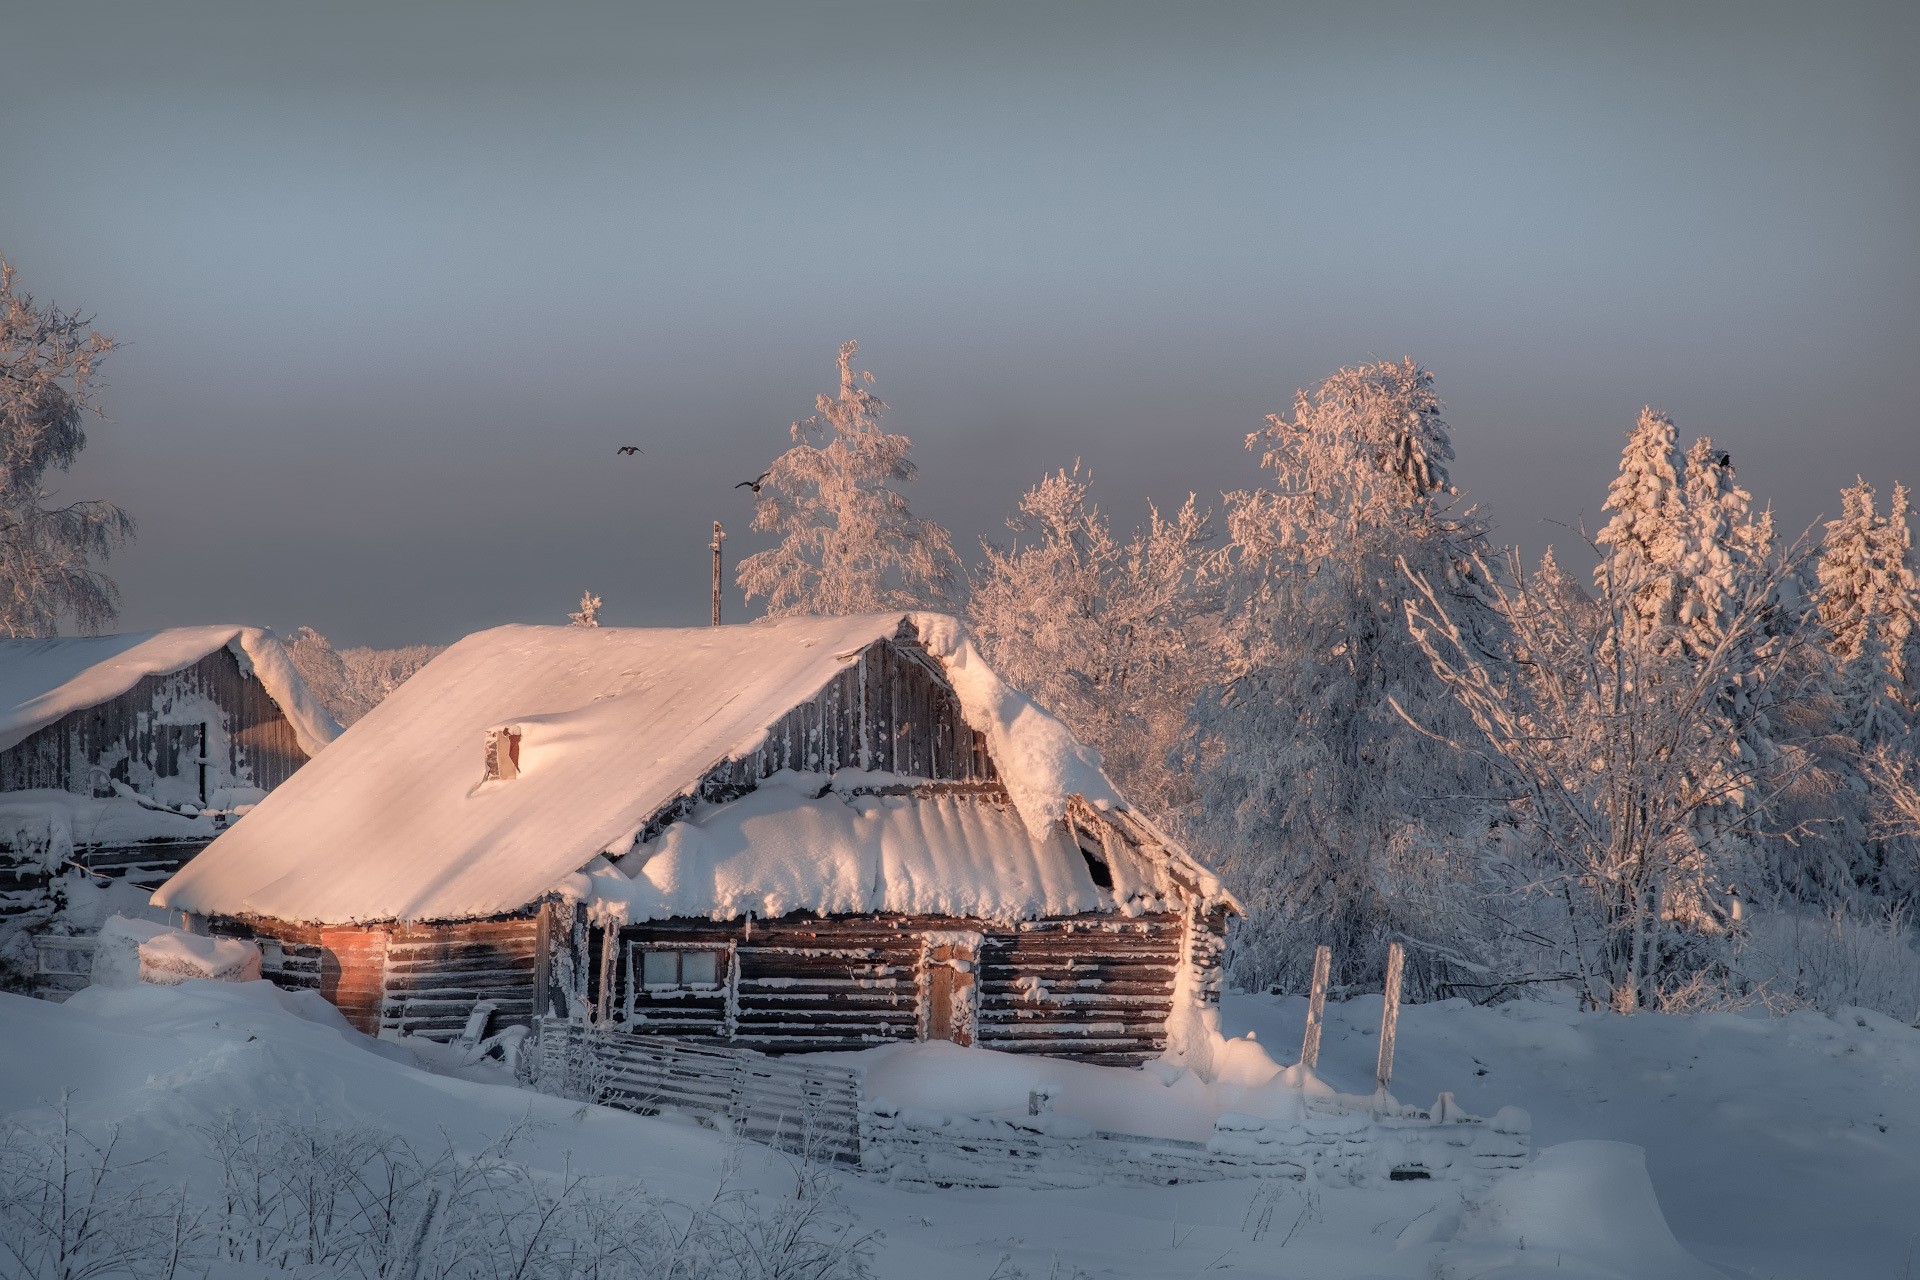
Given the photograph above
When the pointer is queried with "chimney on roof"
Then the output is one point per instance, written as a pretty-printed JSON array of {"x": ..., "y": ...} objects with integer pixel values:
[{"x": 503, "y": 754}]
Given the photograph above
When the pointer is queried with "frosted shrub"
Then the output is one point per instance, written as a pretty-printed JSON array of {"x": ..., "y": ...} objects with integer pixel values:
[
  {"x": 73, "y": 1206},
  {"x": 1835, "y": 960},
  {"x": 308, "y": 1196}
]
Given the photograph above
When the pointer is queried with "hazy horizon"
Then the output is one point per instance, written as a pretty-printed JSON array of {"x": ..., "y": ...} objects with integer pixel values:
[{"x": 393, "y": 283}]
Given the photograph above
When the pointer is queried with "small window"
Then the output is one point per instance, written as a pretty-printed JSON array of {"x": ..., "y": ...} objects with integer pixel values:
[
  {"x": 660, "y": 969},
  {"x": 699, "y": 968},
  {"x": 663, "y": 970}
]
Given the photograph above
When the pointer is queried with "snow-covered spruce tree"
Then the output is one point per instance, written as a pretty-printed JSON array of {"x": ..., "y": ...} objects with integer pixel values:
[
  {"x": 1867, "y": 595},
  {"x": 48, "y": 551},
  {"x": 589, "y": 615},
  {"x": 1336, "y": 820},
  {"x": 1645, "y": 535},
  {"x": 1116, "y": 638},
  {"x": 848, "y": 543},
  {"x": 1867, "y": 599}
]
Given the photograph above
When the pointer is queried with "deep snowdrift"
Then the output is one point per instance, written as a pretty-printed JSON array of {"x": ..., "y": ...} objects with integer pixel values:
[{"x": 1763, "y": 1139}]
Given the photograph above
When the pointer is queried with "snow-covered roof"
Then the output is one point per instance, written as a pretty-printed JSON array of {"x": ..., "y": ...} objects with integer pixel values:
[
  {"x": 43, "y": 680},
  {"x": 804, "y": 842},
  {"x": 397, "y": 822}
]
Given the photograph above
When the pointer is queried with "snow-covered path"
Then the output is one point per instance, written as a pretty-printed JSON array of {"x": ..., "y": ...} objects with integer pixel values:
[{"x": 1764, "y": 1139}]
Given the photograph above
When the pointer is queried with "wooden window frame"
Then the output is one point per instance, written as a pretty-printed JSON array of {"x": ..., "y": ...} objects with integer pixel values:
[{"x": 633, "y": 967}]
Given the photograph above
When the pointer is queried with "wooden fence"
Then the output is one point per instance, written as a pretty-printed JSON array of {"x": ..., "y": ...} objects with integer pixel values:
[
  {"x": 821, "y": 1111},
  {"x": 785, "y": 1102},
  {"x": 62, "y": 964}
]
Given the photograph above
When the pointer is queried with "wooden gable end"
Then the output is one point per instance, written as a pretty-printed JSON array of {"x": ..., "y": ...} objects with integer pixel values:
[
  {"x": 890, "y": 710},
  {"x": 206, "y": 719}
]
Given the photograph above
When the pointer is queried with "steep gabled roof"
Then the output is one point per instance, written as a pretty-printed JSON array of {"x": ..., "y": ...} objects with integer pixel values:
[
  {"x": 43, "y": 680},
  {"x": 396, "y": 820}
]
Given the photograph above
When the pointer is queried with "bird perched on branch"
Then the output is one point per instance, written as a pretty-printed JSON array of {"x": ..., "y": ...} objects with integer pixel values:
[
  {"x": 755, "y": 483},
  {"x": 629, "y": 448}
]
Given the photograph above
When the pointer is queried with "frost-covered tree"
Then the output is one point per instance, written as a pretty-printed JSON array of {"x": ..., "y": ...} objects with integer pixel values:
[
  {"x": 49, "y": 550},
  {"x": 1115, "y": 637},
  {"x": 1862, "y": 856},
  {"x": 1646, "y": 536},
  {"x": 352, "y": 682},
  {"x": 1867, "y": 595},
  {"x": 848, "y": 542},
  {"x": 1334, "y": 818},
  {"x": 589, "y": 614},
  {"x": 1616, "y": 742}
]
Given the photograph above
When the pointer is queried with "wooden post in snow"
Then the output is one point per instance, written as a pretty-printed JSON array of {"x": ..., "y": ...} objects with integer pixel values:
[
  {"x": 1316, "y": 1007},
  {"x": 719, "y": 536},
  {"x": 1389, "y": 1015}
]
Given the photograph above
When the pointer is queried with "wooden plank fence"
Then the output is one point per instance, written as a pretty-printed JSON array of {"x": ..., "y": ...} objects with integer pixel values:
[
  {"x": 820, "y": 1110},
  {"x": 809, "y": 1108},
  {"x": 62, "y": 964}
]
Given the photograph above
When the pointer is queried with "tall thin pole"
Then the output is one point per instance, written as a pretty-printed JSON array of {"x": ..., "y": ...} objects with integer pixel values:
[
  {"x": 719, "y": 536},
  {"x": 1316, "y": 1007},
  {"x": 1390, "y": 1015}
]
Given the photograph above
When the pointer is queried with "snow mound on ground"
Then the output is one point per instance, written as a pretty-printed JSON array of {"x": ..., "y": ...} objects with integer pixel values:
[
  {"x": 131, "y": 951},
  {"x": 1581, "y": 1209}
]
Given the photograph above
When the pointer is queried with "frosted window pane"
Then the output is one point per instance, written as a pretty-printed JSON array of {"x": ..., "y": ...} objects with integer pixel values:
[
  {"x": 699, "y": 968},
  {"x": 659, "y": 968}
]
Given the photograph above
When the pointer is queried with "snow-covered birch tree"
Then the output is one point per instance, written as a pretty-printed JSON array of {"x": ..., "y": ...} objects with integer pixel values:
[
  {"x": 49, "y": 550},
  {"x": 1639, "y": 728},
  {"x": 1114, "y": 637},
  {"x": 848, "y": 542},
  {"x": 1616, "y": 741}
]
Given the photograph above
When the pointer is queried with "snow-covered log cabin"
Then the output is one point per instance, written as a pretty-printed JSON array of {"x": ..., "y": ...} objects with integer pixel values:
[
  {"x": 804, "y": 834},
  {"x": 126, "y": 753}
]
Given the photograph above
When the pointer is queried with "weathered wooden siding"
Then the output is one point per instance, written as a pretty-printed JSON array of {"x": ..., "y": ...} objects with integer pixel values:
[
  {"x": 24, "y": 877},
  {"x": 891, "y": 710},
  {"x": 415, "y": 979},
  {"x": 133, "y": 729},
  {"x": 1097, "y": 988},
  {"x": 436, "y": 974}
]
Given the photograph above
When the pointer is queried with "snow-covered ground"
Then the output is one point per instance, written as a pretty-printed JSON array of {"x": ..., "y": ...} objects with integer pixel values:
[{"x": 1777, "y": 1149}]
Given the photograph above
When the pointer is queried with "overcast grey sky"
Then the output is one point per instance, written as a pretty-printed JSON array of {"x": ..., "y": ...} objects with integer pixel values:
[{"x": 395, "y": 280}]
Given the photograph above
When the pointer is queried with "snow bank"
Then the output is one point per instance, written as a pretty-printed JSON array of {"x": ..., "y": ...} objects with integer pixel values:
[
  {"x": 398, "y": 823},
  {"x": 1581, "y": 1209},
  {"x": 129, "y": 951},
  {"x": 1797, "y": 1184}
]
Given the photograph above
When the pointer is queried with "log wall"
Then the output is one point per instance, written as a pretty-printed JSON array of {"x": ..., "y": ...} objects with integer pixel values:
[
  {"x": 1099, "y": 989},
  {"x": 1096, "y": 988},
  {"x": 436, "y": 974},
  {"x": 414, "y": 979}
]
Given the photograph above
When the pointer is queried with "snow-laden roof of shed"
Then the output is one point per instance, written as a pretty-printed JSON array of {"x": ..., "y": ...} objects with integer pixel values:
[
  {"x": 43, "y": 680},
  {"x": 396, "y": 821}
]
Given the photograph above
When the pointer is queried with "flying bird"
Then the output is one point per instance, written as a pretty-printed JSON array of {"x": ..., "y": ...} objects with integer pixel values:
[
  {"x": 755, "y": 483},
  {"x": 630, "y": 448}
]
